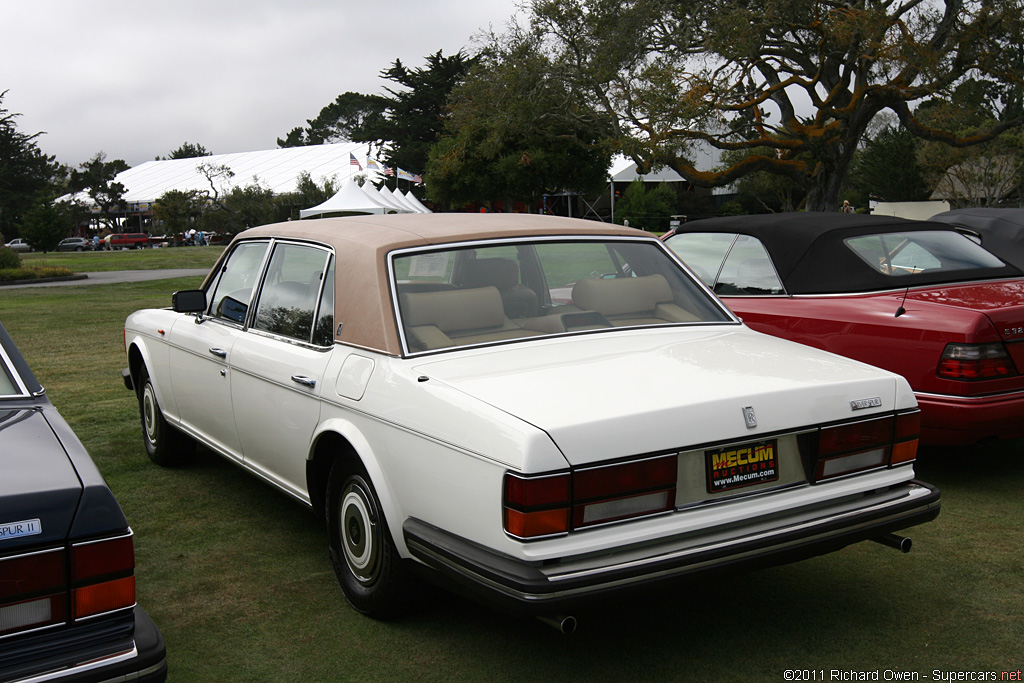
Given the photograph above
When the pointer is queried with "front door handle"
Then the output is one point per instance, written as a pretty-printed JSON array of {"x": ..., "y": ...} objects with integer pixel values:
[
  {"x": 220, "y": 353},
  {"x": 304, "y": 381}
]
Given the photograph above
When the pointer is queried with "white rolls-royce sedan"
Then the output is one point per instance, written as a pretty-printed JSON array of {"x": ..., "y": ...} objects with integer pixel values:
[{"x": 541, "y": 412}]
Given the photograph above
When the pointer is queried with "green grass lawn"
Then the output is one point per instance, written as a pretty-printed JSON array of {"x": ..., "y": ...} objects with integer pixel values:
[
  {"x": 126, "y": 259},
  {"x": 237, "y": 576}
]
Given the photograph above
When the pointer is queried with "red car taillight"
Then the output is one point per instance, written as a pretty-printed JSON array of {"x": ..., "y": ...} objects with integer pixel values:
[
  {"x": 970, "y": 362},
  {"x": 53, "y": 586},
  {"x": 102, "y": 576},
  {"x": 557, "y": 503},
  {"x": 856, "y": 446},
  {"x": 536, "y": 506},
  {"x": 33, "y": 591}
]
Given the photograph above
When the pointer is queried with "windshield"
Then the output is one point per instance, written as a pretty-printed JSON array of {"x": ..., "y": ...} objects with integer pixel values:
[{"x": 517, "y": 290}]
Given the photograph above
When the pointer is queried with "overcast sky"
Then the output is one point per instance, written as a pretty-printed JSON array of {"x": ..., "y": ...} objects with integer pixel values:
[{"x": 138, "y": 78}]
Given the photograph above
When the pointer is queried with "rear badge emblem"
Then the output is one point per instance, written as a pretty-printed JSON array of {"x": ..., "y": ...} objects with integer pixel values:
[
  {"x": 28, "y": 527},
  {"x": 749, "y": 417},
  {"x": 862, "y": 403}
]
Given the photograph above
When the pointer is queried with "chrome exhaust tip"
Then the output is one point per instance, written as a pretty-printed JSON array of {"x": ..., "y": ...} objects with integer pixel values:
[
  {"x": 901, "y": 543},
  {"x": 564, "y": 624}
]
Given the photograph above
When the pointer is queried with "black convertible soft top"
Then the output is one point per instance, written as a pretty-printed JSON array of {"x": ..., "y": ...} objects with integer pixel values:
[
  {"x": 811, "y": 258},
  {"x": 1001, "y": 230}
]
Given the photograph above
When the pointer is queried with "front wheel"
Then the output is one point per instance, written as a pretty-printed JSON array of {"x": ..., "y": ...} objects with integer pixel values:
[
  {"x": 366, "y": 562},
  {"x": 165, "y": 445}
]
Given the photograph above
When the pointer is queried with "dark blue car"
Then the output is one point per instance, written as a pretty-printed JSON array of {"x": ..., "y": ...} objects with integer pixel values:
[{"x": 67, "y": 560}]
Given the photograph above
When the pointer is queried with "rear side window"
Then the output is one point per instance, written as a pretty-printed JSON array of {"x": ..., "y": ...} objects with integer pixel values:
[
  {"x": 731, "y": 264},
  {"x": 291, "y": 291},
  {"x": 910, "y": 253}
]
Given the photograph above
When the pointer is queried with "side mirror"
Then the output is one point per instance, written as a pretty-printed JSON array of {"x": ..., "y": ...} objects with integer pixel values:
[{"x": 189, "y": 301}]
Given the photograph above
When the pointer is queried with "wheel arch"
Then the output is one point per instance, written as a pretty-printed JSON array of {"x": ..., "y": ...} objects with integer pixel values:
[
  {"x": 136, "y": 360},
  {"x": 340, "y": 441}
]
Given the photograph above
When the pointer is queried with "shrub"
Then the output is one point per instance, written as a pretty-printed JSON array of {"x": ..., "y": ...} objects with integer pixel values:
[{"x": 9, "y": 258}]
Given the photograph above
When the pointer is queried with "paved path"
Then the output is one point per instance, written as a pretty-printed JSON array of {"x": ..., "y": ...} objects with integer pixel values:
[{"x": 107, "y": 277}]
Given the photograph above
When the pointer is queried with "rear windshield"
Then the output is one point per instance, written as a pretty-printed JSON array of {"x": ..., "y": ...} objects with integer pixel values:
[
  {"x": 518, "y": 290},
  {"x": 897, "y": 254}
]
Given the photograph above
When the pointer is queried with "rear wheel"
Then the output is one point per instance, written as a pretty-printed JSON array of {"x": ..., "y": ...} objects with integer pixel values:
[
  {"x": 369, "y": 569},
  {"x": 165, "y": 445}
]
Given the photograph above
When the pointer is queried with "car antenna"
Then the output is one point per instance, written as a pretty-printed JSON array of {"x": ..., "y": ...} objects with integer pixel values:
[{"x": 900, "y": 311}]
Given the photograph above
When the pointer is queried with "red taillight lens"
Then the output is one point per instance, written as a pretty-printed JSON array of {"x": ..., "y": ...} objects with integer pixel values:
[
  {"x": 857, "y": 446},
  {"x": 102, "y": 576},
  {"x": 971, "y": 362},
  {"x": 855, "y": 436},
  {"x": 536, "y": 506},
  {"x": 32, "y": 591},
  {"x": 616, "y": 492}
]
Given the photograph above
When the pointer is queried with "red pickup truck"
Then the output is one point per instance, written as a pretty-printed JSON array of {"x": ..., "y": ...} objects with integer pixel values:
[{"x": 126, "y": 240}]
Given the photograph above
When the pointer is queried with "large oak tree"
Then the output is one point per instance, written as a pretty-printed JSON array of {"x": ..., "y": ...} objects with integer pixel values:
[{"x": 800, "y": 78}]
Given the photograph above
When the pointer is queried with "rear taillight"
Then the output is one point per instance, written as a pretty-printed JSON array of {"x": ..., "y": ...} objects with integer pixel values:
[
  {"x": 555, "y": 504},
  {"x": 52, "y": 586},
  {"x": 971, "y": 362},
  {"x": 536, "y": 506},
  {"x": 33, "y": 591},
  {"x": 102, "y": 576},
  {"x": 857, "y": 446}
]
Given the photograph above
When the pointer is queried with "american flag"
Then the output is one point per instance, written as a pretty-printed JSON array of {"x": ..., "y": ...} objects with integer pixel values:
[{"x": 352, "y": 161}]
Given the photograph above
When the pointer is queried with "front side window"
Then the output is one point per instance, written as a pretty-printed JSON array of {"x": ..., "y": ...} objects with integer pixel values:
[
  {"x": 238, "y": 276},
  {"x": 910, "y": 253},
  {"x": 731, "y": 264},
  {"x": 291, "y": 290},
  {"x": 509, "y": 291}
]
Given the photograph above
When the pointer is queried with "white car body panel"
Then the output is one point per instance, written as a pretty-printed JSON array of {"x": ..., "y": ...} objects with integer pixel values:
[{"x": 627, "y": 393}]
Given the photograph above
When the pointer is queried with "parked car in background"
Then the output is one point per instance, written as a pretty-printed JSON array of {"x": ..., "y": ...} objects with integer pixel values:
[
  {"x": 67, "y": 562},
  {"x": 542, "y": 412},
  {"x": 19, "y": 245},
  {"x": 1001, "y": 231},
  {"x": 75, "y": 244},
  {"x": 126, "y": 240},
  {"x": 916, "y": 298}
]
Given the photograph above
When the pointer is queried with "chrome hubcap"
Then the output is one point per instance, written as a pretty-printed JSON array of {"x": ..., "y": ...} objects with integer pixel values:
[
  {"x": 149, "y": 413},
  {"x": 360, "y": 535}
]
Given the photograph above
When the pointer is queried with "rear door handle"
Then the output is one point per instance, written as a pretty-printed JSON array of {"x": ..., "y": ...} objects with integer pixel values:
[
  {"x": 304, "y": 381},
  {"x": 220, "y": 353}
]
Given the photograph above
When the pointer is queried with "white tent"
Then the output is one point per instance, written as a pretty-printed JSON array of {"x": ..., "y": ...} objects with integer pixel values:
[
  {"x": 349, "y": 199},
  {"x": 277, "y": 170},
  {"x": 385, "y": 197},
  {"x": 416, "y": 204}
]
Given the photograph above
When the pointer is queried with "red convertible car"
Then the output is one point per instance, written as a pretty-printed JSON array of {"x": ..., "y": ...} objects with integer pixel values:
[{"x": 917, "y": 298}]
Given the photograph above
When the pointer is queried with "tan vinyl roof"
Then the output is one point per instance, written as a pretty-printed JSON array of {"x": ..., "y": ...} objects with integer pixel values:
[{"x": 361, "y": 243}]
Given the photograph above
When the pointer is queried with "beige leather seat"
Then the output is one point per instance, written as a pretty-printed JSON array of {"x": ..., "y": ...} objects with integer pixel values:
[
  {"x": 436, "y": 320},
  {"x": 627, "y": 301}
]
